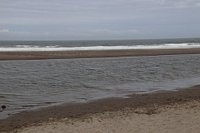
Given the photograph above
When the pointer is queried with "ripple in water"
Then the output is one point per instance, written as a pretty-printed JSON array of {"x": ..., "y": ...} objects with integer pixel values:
[{"x": 30, "y": 84}]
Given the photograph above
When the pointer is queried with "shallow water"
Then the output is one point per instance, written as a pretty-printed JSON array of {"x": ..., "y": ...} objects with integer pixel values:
[{"x": 30, "y": 84}]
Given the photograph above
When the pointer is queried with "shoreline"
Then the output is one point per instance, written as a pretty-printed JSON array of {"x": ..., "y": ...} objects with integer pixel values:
[
  {"x": 150, "y": 102},
  {"x": 38, "y": 55},
  {"x": 177, "y": 118}
]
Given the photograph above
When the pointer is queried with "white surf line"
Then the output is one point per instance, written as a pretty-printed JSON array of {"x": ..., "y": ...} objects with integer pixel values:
[{"x": 136, "y": 47}]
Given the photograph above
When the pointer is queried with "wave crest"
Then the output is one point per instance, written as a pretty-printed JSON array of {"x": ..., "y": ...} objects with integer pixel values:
[{"x": 58, "y": 48}]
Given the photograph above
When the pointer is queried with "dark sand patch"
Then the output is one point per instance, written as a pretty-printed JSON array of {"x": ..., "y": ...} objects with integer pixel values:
[{"x": 92, "y": 54}]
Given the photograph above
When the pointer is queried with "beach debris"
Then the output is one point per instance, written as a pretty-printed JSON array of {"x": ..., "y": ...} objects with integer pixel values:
[{"x": 3, "y": 107}]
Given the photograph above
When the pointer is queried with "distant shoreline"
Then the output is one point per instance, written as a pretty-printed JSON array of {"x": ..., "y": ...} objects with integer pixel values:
[{"x": 41, "y": 55}]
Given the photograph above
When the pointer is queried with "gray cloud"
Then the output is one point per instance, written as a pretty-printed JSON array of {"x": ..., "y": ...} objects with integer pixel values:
[
  {"x": 4, "y": 30},
  {"x": 98, "y": 19}
]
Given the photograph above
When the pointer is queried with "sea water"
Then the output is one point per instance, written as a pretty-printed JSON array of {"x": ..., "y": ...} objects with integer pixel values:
[{"x": 29, "y": 84}]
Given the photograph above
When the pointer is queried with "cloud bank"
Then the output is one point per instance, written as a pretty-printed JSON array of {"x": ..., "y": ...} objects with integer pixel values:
[{"x": 98, "y": 19}]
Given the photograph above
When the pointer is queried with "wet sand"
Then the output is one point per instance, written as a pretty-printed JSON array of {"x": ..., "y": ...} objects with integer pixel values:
[
  {"x": 173, "y": 111},
  {"x": 92, "y": 53}
]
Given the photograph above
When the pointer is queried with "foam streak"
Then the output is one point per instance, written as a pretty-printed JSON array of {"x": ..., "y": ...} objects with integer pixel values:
[{"x": 57, "y": 48}]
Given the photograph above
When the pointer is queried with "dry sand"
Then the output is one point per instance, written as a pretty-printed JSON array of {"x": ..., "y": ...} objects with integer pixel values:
[{"x": 179, "y": 118}]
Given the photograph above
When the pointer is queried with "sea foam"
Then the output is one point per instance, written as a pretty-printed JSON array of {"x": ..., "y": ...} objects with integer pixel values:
[{"x": 61, "y": 48}]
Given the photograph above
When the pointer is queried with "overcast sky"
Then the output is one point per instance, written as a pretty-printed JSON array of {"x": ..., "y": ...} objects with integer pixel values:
[{"x": 98, "y": 19}]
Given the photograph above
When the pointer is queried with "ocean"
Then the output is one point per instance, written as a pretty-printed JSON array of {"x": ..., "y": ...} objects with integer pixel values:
[
  {"x": 98, "y": 45},
  {"x": 30, "y": 84}
]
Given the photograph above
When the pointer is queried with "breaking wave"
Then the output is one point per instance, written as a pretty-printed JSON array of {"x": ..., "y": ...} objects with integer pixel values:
[{"x": 61, "y": 48}]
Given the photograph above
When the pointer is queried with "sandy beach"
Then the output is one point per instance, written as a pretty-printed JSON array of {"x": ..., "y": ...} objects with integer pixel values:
[
  {"x": 36, "y": 55},
  {"x": 173, "y": 111},
  {"x": 174, "y": 119}
]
